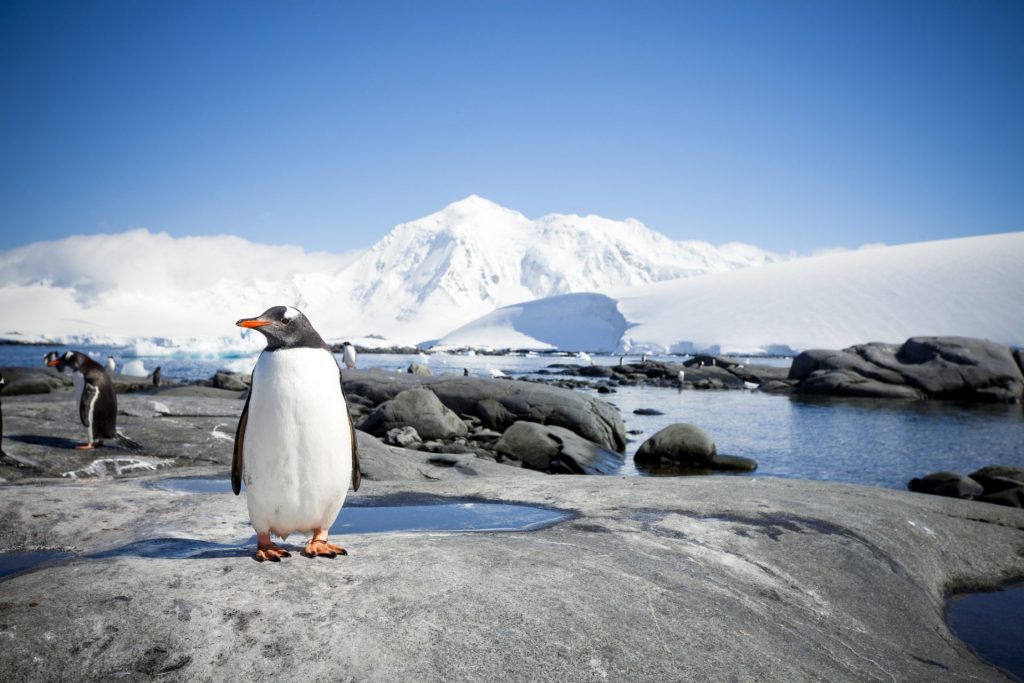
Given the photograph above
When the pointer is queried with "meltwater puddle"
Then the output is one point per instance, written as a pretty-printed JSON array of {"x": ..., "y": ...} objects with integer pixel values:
[
  {"x": 992, "y": 624},
  {"x": 354, "y": 519}
]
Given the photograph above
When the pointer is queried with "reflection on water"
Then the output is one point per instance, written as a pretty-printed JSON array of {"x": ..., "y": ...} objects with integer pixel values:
[
  {"x": 873, "y": 442},
  {"x": 992, "y": 624}
]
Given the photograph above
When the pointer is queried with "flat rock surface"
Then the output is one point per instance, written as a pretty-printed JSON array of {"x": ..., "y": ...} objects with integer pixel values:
[{"x": 709, "y": 578}]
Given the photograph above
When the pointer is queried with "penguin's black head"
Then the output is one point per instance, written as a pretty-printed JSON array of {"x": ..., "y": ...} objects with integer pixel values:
[
  {"x": 70, "y": 359},
  {"x": 284, "y": 327}
]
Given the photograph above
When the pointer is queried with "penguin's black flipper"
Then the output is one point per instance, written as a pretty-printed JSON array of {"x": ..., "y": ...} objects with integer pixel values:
[
  {"x": 127, "y": 443},
  {"x": 357, "y": 475},
  {"x": 236, "y": 461}
]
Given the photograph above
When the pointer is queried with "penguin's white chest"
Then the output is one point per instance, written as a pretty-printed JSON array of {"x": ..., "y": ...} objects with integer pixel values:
[{"x": 297, "y": 452}]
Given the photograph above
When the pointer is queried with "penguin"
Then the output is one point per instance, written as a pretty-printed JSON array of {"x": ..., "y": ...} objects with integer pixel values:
[
  {"x": 97, "y": 406},
  {"x": 2, "y": 422},
  {"x": 348, "y": 354},
  {"x": 295, "y": 445},
  {"x": 111, "y": 365},
  {"x": 156, "y": 377},
  {"x": 77, "y": 380}
]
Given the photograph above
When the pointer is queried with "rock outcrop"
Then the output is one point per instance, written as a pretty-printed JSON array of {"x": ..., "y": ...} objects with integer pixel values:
[
  {"x": 996, "y": 484},
  {"x": 555, "y": 450},
  {"x": 953, "y": 368},
  {"x": 685, "y": 448}
]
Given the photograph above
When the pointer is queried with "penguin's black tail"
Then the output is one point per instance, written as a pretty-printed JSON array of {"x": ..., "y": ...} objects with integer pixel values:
[{"x": 128, "y": 443}]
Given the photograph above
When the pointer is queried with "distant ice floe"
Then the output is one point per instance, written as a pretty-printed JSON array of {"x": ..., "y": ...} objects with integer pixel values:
[
  {"x": 105, "y": 467},
  {"x": 134, "y": 368}
]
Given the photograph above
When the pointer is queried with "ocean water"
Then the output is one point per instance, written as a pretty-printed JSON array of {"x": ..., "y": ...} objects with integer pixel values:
[{"x": 873, "y": 442}]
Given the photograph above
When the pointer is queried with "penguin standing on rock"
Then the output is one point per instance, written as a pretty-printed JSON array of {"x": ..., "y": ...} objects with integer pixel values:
[
  {"x": 295, "y": 447},
  {"x": 348, "y": 354},
  {"x": 97, "y": 406}
]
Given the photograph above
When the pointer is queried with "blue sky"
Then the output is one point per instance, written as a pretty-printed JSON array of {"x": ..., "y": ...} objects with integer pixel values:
[{"x": 790, "y": 125}]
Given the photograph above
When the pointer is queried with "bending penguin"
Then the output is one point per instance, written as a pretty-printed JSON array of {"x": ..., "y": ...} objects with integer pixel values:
[
  {"x": 97, "y": 406},
  {"x": 295, "y": 447}
]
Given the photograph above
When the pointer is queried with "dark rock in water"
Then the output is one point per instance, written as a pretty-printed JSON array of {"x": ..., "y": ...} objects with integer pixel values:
[
  {"x": 647, "y": 411},
  {"x": 232, "y": 381},
  {"x": 419, "y": 369},
  {"x": 701, "y": 360},
  {"x": 996, "y": 478},
  {"x": 711, "y": 377},
  {"x": 417, "y": 408},
  {"x": 604, "y": 389},
  {"x": 950, "y": 484},
  {"x": 596, "y": 371},
  {"x": 555, "y": 450},
  {"x": 585, "y": 415},
  {"x": 687, "y": 447},
  {"x": 1013, "y": 498},
  {"x": 954, "y": 368},
  {"x": 775, "y": 386}
]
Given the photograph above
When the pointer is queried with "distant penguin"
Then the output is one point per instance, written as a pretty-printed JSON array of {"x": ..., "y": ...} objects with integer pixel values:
[
  {"x": 1, "y": 420},
  {"x": 111, "y": 365},
  {"x": 156, "y": 377},
  {"x": 295, "y": 446},
  {"x": 682, "y": 377},
  {"x": 97, "y": 406},
  {"x": 465, "y": 372},
  {"x": 348, "y": 354}
]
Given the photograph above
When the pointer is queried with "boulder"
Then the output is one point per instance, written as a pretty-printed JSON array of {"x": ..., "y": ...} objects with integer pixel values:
[
  {"x": 996, "y": 478},
  {"x": 950, "y": 484},
  {"x": 419, "y": 369},
  {"x": 232, "y": 381},
  {"x": 585, "y": 415},
  {"x": 555, "y": 450},
  {"x": 41, "y": 380},
  {"x": 403, "y": 437},
  {"x": 417, "y": 408},
  {"x": 686, "y": 447},
  {"x": 955, "y": 368},
  {"x": 1013, "y": 498}
]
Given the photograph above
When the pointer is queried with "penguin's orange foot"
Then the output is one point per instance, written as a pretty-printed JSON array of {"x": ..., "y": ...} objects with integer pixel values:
[
  {"x": 85, "y": 447},
  {"x": 266, "y": 550},
  {"x": 272, "y": 553},
  {"x": 321, "y": 548}
]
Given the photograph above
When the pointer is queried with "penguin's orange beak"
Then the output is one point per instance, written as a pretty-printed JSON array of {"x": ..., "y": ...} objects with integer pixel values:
[
  {"x": 252, "y": 322},
  {"x": 53, "y": 362}
]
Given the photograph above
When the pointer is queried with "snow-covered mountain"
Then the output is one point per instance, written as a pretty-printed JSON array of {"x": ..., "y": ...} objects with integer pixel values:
[
  {"x": 422, "y": 280},
  {"x": 474, "y": 255},
  {"x": 971, "y": 287}
]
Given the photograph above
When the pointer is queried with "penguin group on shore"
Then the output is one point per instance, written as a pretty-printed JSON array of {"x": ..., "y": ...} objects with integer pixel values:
[
  {"x": 97, "y": 404},
  {"x": 295, "y": 445}
]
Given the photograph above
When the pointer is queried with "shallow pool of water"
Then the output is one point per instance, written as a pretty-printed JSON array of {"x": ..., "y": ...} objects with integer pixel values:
[
  {"x": 18, "y": 562},
  {"x": 992, "y": 624}
]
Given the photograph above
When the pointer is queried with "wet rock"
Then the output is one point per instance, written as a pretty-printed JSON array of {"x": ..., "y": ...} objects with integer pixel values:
[
  {"x": 417, "y": 408},
  {"x": 686, "y": 447},
  {"x": 950, "y": 484},
  {"x": 647, "y": 411},
  {"x": 555, "y": 450},
  {"x": 776, "y": 386}
]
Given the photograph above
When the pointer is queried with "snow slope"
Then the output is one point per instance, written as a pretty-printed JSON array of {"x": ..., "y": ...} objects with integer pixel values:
[
  {"x": 422, "y": 280},
  {"x": 972, "y": 287}
]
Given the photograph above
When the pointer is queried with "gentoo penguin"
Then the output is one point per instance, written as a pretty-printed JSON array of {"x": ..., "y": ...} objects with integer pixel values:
[
  {"x": 77, "y": 380},
  {"x": 348, "y": 354},
  {"x": 295, "y": 446},
  {"x": 111, "y": 365},
  {"x": 156, "y": 377},
  {"x": 97, "y": 406},
  {"x": 1, "y": 421}
]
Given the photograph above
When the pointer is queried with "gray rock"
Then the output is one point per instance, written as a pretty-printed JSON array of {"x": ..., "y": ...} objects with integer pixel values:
[
  {"x": 588, "y": 417},
  {"x": 417, "y": 408},
  {"x": 419, "y": 369},
  {"x": 232, "y": 381},
  {"x": 552, "y": 449},
  {"x": 404, "y": 437},
  {"x": 647, "y": 411},
  {"x": 775, "y": 386},
  {"x": 1013, "y": 498},
  {"x": 648, "y": 580},
  {"x": 26, "y": 381},
  {"x": 686, "y": 447},
  {"x": 949, "y": 484},
  {"x": 996, "y": 478},
  {"x": 957, "y": 368}
]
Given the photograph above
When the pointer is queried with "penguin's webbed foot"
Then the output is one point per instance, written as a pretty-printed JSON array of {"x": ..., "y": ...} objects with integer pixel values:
[
  {"x": 319, "y": 547},
  {"x": 89, "y": 446},
  {"x": 266, "y": 550}
]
